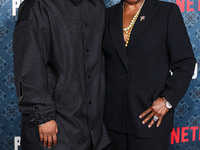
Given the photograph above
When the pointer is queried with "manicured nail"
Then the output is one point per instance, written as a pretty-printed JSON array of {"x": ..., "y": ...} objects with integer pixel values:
[
  {"x": 140, "y": 116},
  {"x": 143, "y": 122},
  {"x": 149, "y": 126},
  {"x": 157, "y": 126}
]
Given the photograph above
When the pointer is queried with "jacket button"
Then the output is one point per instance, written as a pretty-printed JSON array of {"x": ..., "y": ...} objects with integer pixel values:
[
  {"x": 88, "y": 77},
  {"x": 87, "y": 50},
  {"x": 90, "y": 102},
  {"x": 80, "y": 115},
  {"x": 86, "y": 24}
]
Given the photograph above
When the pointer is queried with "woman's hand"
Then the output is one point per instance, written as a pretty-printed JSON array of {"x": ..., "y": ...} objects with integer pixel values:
[{"x": 158, "y": 109}]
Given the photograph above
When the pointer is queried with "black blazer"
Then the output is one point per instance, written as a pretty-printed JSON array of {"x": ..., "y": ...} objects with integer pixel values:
[{"x": 139, "y": 74}]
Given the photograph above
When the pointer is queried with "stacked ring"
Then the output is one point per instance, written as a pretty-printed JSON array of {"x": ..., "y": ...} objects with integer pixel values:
[{"x": 155, "y": 118}]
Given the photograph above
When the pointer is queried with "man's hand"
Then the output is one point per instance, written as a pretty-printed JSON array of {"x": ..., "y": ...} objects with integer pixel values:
[
  {"x": 158, "y": 109},
  {"x": 48, "y": 133}
]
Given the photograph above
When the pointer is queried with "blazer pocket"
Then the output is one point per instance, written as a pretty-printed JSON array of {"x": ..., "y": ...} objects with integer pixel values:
[
  {"x": 156, "y": 28},
  {"x": 150, "y": 42}
]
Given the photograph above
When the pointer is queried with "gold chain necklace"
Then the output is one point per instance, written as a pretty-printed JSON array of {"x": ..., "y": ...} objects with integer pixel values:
[{"x": 131, "y": 25}]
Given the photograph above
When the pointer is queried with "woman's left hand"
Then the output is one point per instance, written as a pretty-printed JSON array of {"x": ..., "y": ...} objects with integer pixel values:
[{"x": 158, "y": 109}]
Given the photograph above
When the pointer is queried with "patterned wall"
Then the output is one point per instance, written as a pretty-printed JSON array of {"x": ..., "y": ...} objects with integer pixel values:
[
  {"x": 187, "y": 113},
  {"x": 9, "y": 114}
]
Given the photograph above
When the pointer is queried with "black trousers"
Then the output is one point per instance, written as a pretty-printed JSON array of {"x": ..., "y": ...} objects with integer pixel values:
[{"x": 121, "y": 141}]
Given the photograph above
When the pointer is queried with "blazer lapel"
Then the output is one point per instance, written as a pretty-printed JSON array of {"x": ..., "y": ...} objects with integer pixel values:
[
  {"x": 144, "y": 19},
  {"x": 116, "y": 30}
]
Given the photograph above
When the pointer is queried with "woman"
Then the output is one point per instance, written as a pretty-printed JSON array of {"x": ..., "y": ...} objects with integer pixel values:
[{"x": 149, "y": 65}]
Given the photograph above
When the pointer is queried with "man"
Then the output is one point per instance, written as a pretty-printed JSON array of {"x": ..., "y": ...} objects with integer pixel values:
[{"x": 59, "y": 74}]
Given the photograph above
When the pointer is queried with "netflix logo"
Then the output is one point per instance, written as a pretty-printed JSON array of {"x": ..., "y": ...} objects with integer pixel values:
[
  {"x": 188, "y": 5},
  {"x": 181, "y": 134}
]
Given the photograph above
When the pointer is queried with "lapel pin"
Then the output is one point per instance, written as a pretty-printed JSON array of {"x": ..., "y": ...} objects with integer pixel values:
[{"x": 142, "y": 18}]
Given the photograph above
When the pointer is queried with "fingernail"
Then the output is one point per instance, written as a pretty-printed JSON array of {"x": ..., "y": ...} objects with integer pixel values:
[
  {"x": 149, "y": 126},
  {"x": 157, "y": 126},
  {"x": 143, "y": 122},
  {"x": 140, "y": 116}
]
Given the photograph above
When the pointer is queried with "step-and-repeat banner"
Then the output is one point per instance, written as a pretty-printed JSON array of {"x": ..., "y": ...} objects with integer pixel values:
[{"x": 186, "y": 132}]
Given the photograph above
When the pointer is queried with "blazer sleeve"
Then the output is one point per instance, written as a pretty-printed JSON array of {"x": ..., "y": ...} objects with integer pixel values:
[
  {"x": 181, "y": 58},
  {"x": 32, "y": 44}
]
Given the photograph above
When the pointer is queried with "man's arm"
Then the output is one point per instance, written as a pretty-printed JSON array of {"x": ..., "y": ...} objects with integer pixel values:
[{"x": 32, "y": 45}]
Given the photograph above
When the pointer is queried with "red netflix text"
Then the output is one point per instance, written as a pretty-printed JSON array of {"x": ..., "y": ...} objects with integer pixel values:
[
  {"x": 181, "y": 134},
  {"x": 187, "y": 5}
]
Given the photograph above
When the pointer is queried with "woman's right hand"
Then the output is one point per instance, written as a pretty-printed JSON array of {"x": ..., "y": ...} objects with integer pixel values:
[{"x": 157, "y": 109}]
